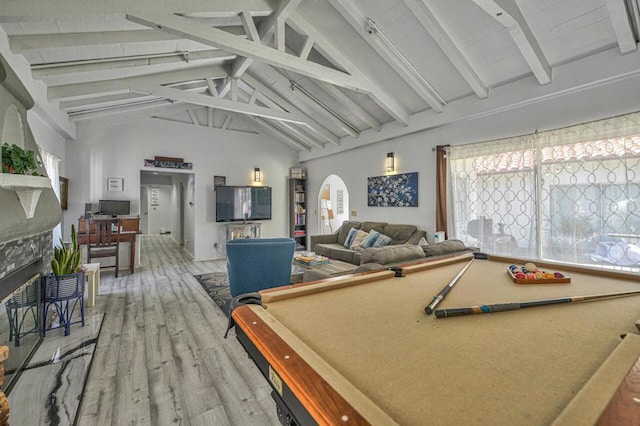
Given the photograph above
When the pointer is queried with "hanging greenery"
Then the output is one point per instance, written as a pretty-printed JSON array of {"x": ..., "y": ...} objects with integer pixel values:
[{"x": 19, "y": 161}]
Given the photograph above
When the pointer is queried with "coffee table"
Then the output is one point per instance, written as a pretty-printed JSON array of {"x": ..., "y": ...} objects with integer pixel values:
[{"x": 334, "y": 268}]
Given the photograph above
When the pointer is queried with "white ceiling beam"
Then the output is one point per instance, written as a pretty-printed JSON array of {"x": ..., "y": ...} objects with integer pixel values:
[
  {"x": 234, "y": 89},
  {"x": 193, "y": 117},
  {"x": 279, "y": 134},
  {"x": 210, "y": 117},
  {"x": 80, "y": 90},
  {"x": 331, "y": 115},
  {"x": 140, "y": 111},
  {"x": 212, "y": 87},
  {"x": 213, "y": 102},
  {"x": 507, "y": 13},
  {"x": 290, "y": 128},
  {"x": 107, "y": 100},
  {"x": 279, "y": 35},
  {"x": 349, "y": 104},
  {"x": 24, "y": 10},
  {"x": 124, "y": 63},
  {"x": 220, "y": 39},
  {"x": 390, "y": 55},
  {"x": 226, "y": 122},
  {"x": 306, "y": 48},
  {"x": 621, "y": 23},
  {"x": 249, "y": 27},
  {"x": 432, "y": 25},
  {"x": 280, "y": 102},
  {"x": 25, "y": 43},
  {"x": 379, "y": 96}
]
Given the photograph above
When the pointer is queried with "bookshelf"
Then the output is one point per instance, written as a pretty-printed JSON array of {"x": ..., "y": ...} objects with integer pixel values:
[{"x": 298, "y": 212}]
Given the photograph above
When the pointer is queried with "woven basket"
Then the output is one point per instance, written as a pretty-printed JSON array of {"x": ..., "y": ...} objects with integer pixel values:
[{"x": 63, "y": 287}]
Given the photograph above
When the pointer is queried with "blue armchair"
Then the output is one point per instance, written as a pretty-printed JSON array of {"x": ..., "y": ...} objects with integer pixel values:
[{"x": 256, "y": 264}]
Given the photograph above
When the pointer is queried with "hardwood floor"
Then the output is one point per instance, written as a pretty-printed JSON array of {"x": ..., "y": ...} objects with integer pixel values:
[{"x": 161, "y": 357}]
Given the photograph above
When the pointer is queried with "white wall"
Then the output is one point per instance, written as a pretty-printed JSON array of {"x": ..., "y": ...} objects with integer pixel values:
[
  {"x": 413, "y": 153},
  {"x": 119, "y": 151}
]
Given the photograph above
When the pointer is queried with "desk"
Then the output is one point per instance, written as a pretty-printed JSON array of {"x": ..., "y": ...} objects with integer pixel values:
[
  {"x": 361, "y": 348},
  {"x": 129, "y": 234}
]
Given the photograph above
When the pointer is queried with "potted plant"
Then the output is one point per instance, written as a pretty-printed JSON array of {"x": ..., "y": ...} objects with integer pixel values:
[
  {"x": 64, "y": 288},
  {"x": 19, "y": 161}
]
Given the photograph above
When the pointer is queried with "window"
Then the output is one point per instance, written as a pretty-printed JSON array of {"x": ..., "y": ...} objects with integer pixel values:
[{"x": 570, "y": 194}]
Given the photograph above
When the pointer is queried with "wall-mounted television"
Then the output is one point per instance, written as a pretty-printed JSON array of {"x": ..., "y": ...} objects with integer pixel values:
[
  {"x": 235, "y": 203},
  {"x": 114, "y": 207}
]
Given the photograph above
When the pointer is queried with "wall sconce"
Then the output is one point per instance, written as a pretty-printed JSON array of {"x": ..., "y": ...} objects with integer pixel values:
[
  {"x": 257, "y": 176},
  {"x": 390, "y": 163}
]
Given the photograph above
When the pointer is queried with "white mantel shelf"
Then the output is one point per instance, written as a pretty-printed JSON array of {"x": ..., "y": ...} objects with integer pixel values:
[{"x": 27, "y": 189}]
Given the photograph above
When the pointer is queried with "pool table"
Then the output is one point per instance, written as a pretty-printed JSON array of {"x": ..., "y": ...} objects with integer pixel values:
[{"x": 360, "y": 349}]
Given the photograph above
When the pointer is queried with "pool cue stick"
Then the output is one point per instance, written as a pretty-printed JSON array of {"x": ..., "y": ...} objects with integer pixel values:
[
  {"x": 438, "y": 297},
  {"x": 499, "y": 307}
]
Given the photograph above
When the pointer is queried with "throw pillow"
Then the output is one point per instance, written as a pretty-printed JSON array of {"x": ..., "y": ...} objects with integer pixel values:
[
  {"x": 423, "y": 242},
  {"x": 350, "y": 236},
  {"x": 371, "y": 239},
  {"x": 382, "y": 241},
  {"x": 357, "y": 241}
]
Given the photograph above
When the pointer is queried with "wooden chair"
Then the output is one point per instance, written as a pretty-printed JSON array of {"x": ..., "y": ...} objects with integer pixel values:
[{"x": 104, "y": 239}]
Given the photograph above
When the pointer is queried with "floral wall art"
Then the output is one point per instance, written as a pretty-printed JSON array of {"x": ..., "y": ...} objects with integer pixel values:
[{"x": 399, "y": 190}]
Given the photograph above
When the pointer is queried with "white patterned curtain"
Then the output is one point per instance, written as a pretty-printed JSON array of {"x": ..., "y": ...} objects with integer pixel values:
[
  {"x": 570, "y": 194},
  {"x": 51, "y": 164}
]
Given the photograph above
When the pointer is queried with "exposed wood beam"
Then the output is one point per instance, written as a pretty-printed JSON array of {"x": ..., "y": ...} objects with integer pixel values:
[
  {"x": 210, "y": 116},
  {"x": 139, "y": 111},
  {"x": 507, "y": 13},
  {"x": 24, "y": 43},
  {"x": 280, "y": 102},
  {"x": 107, "y": 100},
  {"x": 306, "y": 48},
  {"x": 212, "y": 87},
  {"x": 220, "y": 39},
  {"x": 391, "y": 55},
  {"x": 349, "y": 104},
  {"x": 193, "y": 117},
  {"x": 234, "y": 89},
  {"x": 290, "y": 128},
  {"x": 383, "y": 99},
  {"x": 24, "y": 10},
  {"x": 279, "y": 35},
  {"x": 285, "y": 7},
  {"x": 249, "y": 27},
  {"x": 145, "y": 62},
  {"x": 621, "y": 23},
  {"x": 432, "y": 25},
  {"x": 279, "y": 134},
  {"x": 122, "y": 85},
  {"x": 226, "y": 122},
  {"x": 305, "y": 96},
  {"x": 210, "y": 101}
]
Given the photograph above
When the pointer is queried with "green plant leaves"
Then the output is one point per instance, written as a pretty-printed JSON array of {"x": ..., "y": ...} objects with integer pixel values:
[
  {"x": 66, "y": 258},
  {"x": 19, "y": 161}
]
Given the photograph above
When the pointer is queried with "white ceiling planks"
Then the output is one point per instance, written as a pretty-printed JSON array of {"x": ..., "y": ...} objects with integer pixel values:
[{"x": 320, "y": 76}]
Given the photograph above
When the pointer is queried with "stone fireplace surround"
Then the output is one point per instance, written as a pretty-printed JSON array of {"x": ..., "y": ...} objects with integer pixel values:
[{"x": 21, "y": 260}]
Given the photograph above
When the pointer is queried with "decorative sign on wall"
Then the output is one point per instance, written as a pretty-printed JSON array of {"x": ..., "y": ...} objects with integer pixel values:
[
  {"x": 399, "y": 190},
  {"x": 340, "y": 201},
  {"x": 219, "y": 181},
  {"x": 155, "y": 198},
  {"x": 168, "y": 163},
  {"x": 115, "y": 184}
]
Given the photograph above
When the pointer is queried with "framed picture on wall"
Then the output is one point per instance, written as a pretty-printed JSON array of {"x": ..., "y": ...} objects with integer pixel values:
[
  {"x": 219, "y": 181},
  {"x": 64, "y": 192},
  {"x": 115, "y": 184}
]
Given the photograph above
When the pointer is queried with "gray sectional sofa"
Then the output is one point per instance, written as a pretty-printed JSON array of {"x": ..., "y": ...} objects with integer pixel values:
[{"x": 404, "y": 245}]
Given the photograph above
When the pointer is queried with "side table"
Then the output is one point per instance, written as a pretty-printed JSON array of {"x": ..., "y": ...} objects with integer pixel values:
[{"x": 92, "y": 271}]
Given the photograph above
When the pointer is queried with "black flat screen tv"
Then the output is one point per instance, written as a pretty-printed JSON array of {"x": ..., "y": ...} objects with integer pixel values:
[
  {"x": 242, "y": 203},
  {"x": 114, "y": 207}
]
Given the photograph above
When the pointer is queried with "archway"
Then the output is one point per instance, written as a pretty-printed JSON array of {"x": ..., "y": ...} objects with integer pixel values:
[{"x": 333, "y": 204}]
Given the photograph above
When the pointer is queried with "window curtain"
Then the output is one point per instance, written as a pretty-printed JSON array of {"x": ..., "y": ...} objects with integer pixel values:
[
  {"x": 51, "y": 164},
  {"x": 441, "y": 188},
  {"x": 569, "y": 194}
]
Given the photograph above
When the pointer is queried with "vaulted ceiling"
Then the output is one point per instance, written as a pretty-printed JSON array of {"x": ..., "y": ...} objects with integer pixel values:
[{"x": 313, "y": 74}]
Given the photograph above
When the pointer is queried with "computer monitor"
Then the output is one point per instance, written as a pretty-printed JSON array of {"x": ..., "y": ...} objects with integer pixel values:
[{"x": 114, "y": 207}]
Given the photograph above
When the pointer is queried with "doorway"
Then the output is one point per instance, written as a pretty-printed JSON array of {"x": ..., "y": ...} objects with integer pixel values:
[
  {"x": 333, "y": 204},
  {"x": 162, "y": 209}
]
